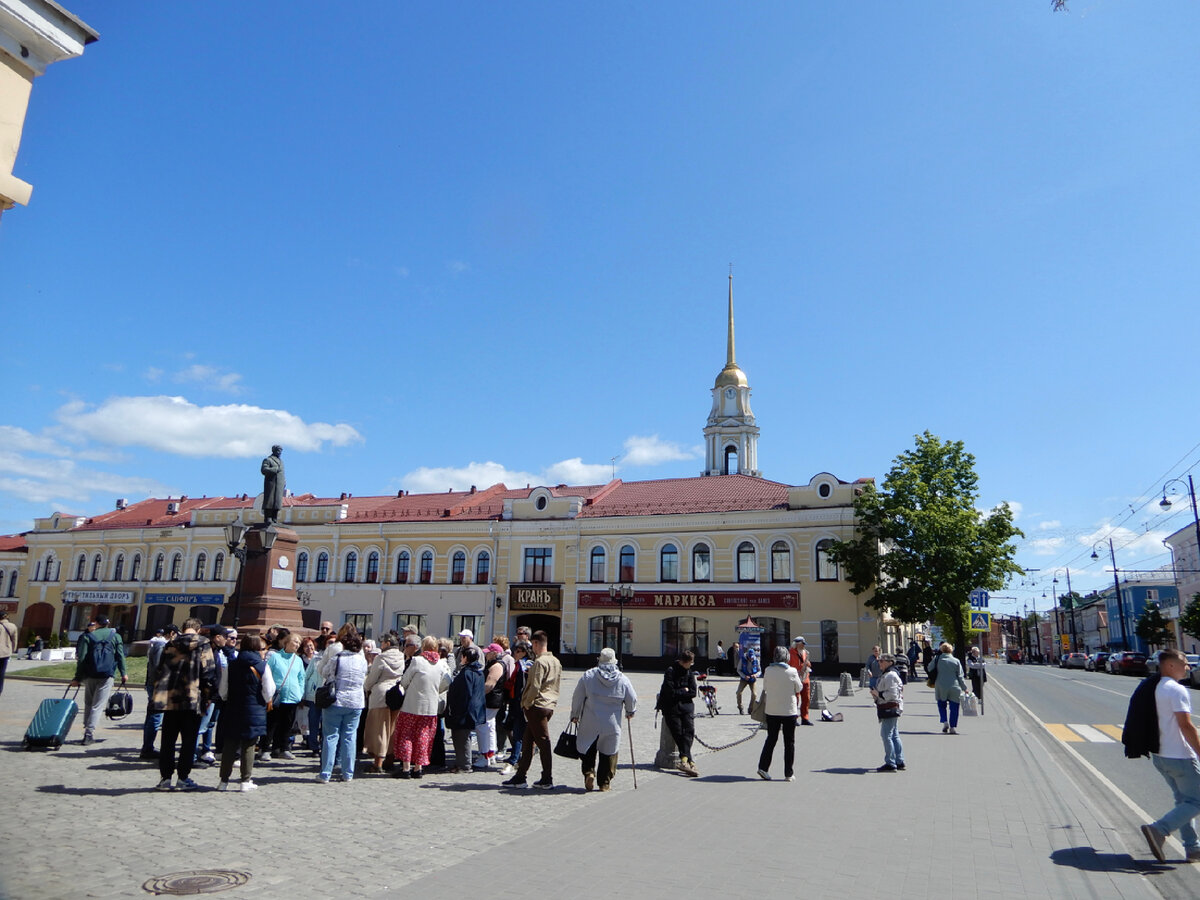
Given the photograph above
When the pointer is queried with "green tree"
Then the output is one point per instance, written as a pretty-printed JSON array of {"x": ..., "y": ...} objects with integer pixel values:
[
  {"x": 1152, "y": 627},
  {"x": 921, "y": 545},
  {"x": 1189, "y": 619}
]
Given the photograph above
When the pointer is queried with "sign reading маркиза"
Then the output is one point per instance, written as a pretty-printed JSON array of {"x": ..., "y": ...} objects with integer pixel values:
[
  {"x": 694, "y": 600},
  {"x": 188, "y": 599}
]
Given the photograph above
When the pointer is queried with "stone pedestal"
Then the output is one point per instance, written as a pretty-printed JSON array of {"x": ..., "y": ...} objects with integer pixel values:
[
  {"x": 268, "y": 583},
  {"x": 668, "y": 752}
]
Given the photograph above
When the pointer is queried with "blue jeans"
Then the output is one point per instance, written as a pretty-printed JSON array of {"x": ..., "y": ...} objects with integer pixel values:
[
  {"x": 1183, "y": 777},
  {"x": 893, "y": 750},
  {"x": 314, "y": 727},
  {"x": 953, "y": 712},
  {"x": 151, "y": 727},
  {"x": 208, "y": 725},
  {"x": 340, "y": 730}
]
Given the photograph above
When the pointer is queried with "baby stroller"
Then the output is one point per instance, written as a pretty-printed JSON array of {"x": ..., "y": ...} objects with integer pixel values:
[{"x": 709, "y": 693}]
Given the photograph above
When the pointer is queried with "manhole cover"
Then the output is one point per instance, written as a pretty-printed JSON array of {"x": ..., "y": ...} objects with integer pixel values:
[{"x": 204, "y": 881}]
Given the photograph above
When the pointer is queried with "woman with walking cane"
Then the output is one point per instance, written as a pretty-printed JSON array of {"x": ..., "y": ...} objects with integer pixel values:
[{"x": 600, "y": 696}]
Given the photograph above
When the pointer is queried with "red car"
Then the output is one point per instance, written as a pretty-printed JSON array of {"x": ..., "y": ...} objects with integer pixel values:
[{"x": 1127, "y": 663}]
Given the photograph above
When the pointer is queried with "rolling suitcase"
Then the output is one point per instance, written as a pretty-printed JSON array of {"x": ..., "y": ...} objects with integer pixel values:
[{"x": 52, "y": 721}]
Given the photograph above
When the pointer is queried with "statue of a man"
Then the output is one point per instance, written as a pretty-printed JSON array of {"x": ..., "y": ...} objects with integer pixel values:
[{"x": 273, "y": 485}]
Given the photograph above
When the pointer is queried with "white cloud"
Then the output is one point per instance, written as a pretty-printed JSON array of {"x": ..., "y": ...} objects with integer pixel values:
[
  {"x": 153, "y": 374},
  {"x": 210, "y": 377},
  {"x": 1046, "y": 546},
  {"x": 1052, "y": 523},
  {"x": 174, "y": 425},
  {"x": 485, "y": 474},
  {"x": 62, "y": 480},
  {"x": 17, "y": 439},
  {"x": 457, "y": 267},
  {"x": 650, "y": 450},
  {"x": 576, "y": 471},
  {"x": 1125, "y": 542}
]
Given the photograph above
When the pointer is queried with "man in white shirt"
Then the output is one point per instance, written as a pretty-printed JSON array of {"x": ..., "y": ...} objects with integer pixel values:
[{"x": 1177, "y": 759}]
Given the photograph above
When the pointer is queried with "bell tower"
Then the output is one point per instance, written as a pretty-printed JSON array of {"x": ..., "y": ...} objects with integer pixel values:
[{"x": 730, "y": 436}]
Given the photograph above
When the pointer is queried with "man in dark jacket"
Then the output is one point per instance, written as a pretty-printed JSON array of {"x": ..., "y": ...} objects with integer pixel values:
[
  {"x": 675, "y": 702},
  {"x": 185, "y": 681},
  {"x": 101, "y": 654}
]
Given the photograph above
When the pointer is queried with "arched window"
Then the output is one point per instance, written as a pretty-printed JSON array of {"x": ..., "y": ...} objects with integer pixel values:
[
  {"x": 745, "y": 561},
  {"x": 372, "y": 567},
  {"x": 701, "y": 563},
  {"x": 51, "y": 573},
  {"x": 302, "y": 567},
  {"x": 96, "y": 561},
  {"x": 79, "y": 567},
  {"x": 201, "y": 567},
  {"x": 426, "y": 567},
  {"x": 323, "y": 566},
  {"x": 135, "y": 568},
  {"x": 731, "y": 460},
  {"x": 628, "y": 564},
  {"x": 598, "y": 566},
  {"x": 159, "y": 562},
  {"x": 668, "y": 563},
  {"x": 458, "y": 567},
  {"x": 827, "y": 569},
  {"x": 177, "y": 567},
  {"x": 483, "y": 567},
  {"x": 119, "y": 568},
  {"x": 219, "y": 567},
  {"x": 681, "y": 633},
  {"x": 402, "y": 563},
  {"x": 781, "y": 562},
  {"x": 351, "y": 569},
  {"x": 12, "y": 584},
  {"x": 602, "y": 632},
  {"x": 37, "y": 573}
]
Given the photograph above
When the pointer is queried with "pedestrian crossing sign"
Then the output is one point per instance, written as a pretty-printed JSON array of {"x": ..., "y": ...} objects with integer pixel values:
[{"x": 981, "y": 620}]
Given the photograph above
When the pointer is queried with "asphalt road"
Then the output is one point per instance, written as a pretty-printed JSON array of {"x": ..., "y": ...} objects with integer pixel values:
[{"x": 1085, "y": 711}]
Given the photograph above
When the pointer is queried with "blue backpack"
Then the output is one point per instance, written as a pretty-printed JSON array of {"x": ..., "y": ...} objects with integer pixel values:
[{"x": 102, "y": 656}]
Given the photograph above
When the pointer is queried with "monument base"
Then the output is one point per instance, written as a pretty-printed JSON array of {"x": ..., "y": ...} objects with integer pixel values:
[{"x": 267, "y": 582}]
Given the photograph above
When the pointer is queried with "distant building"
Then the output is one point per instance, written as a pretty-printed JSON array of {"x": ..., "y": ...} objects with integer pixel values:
[
  {"x": 33, "y": 34},
  {"x": 701, "y": 554},
  {"x": 1135, "y": 594},
  {"x": 1185, "y": 558}
]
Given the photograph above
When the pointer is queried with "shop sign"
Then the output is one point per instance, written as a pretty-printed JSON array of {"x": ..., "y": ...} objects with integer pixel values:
[
  {"x": 187, "y": 599},
  {"x": 9, "y": 606},
  {"x": 694, "y": 600},
  {"x": 535, "y": 597},
  {"x": 97, "y": 596}
]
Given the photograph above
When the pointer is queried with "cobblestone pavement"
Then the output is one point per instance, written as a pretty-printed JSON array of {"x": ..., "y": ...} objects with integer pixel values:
[{"x": 992, "y": 812}]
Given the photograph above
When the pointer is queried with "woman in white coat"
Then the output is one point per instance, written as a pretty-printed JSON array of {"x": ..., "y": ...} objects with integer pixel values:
[
  {"x": 424, "y": 681},
  {"x": 600, "y": 697},
  {"x": 781, "y": 689}
]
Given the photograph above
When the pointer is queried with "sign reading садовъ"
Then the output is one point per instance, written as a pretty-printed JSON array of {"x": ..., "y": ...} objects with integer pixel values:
[
  {"x": 694, "y": 600},
  {"x": 97, "y": 596},
  {"x": 187, "y": 599}
]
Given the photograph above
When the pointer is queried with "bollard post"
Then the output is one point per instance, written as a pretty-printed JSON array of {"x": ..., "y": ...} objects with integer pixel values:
[
  {"x": 846, "y": 686},
  {"x": 668, "y": 754},
  {"x": 816, "y": 695}
]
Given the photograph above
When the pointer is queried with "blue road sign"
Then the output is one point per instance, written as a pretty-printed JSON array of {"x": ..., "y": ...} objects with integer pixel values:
[
  {"x": 981, "y": 620},
  {"x": 979, "y": 598}
]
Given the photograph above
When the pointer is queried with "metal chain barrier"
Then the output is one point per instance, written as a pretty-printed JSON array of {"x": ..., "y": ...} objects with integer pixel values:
[{"x": 742, "y": 740}]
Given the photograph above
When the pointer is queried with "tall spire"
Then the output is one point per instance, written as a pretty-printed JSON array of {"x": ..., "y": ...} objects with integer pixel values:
[{"x": 729, "y": 358}]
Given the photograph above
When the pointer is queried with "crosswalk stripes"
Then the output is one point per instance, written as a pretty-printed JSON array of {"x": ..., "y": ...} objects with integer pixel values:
[{"x": 1077, "y": 734}]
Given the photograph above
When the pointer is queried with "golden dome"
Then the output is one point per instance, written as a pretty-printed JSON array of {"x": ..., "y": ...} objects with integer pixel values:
[{"x": 731, "y": 375}]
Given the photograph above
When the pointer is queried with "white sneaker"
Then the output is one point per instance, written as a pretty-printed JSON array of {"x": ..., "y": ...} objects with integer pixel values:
[
  {"x": 249, "y": 785},
  {"x": 208, "y": 757},
  {"x": 508, "y": 769},
  {"x": 790, "y": 778},
  {"x": 953, "y": 730},
  {"x": 164, "y": 785},
  {"x": 762, "y": 773},
  {"x": 223, "y": 786}
]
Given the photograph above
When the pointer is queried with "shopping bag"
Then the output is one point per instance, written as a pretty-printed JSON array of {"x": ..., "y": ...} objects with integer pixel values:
[
  {"x": 566, "y": 743},
  {"x": 969, "y": 705}
]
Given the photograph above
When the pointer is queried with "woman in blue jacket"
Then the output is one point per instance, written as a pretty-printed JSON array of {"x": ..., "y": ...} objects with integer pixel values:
[
  {"x": 246, "y": 687},
  {"x": 465, "y": 708}
]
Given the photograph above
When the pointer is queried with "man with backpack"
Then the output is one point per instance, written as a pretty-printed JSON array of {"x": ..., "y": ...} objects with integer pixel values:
[
  {"x": 101, "y": 653},
  {"x": 1165, "y": 730}
]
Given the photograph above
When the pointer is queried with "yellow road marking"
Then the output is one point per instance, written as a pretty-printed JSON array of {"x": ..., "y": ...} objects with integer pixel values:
[
  {"x": 1063, "y": 733},
  {"x": 1113, "y": 731}
]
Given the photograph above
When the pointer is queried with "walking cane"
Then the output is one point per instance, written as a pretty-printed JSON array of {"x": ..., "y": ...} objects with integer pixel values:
[{"x": 632, "y": 761}]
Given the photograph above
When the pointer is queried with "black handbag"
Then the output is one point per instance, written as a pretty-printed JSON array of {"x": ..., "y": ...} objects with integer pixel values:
[
  {"x": 326, "y": 694},
  {"x": 566, "y": 745},
  {"x": 120, "y": 704},
  {"x": 888, "y": 710},
  {"x": 394, "y": 698}
]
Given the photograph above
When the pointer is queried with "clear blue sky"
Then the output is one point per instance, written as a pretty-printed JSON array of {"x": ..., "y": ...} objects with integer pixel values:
[{"x": 440, "y": 236}]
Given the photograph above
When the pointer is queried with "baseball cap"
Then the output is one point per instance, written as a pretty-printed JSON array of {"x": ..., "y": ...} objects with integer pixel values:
[{"x": 467, "y": 633}]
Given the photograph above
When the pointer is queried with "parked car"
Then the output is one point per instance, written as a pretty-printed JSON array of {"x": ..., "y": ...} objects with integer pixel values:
[
  {"x": 1127, "y": 663},
  {"x": 1074, "y": 661},
  {"x": 1193, "y": 677},
  {"x": 1096, "y": 662},
  {"x": 1013, "y": 655}
]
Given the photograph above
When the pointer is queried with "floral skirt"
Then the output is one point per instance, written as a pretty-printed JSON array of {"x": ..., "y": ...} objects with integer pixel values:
[{"x": 413, "y": 738}]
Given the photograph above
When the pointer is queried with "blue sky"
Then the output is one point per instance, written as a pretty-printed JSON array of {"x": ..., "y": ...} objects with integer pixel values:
[{"x": 431, "y": 245}]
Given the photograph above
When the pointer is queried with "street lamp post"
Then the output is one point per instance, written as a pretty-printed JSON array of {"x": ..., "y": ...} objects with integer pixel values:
[
  {"x": 619, "y": 593},
  {"x": 1116, "y": 586},
  {"x": 1037, "y": 629},
  {"x": 235, "y": 539},
  {"x": 1071, "y": 597},
  {"x": 1166, "y": 504}
]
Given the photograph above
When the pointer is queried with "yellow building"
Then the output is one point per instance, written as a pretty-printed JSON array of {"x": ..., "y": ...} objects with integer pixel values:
[{"x": 698, "y": 555}]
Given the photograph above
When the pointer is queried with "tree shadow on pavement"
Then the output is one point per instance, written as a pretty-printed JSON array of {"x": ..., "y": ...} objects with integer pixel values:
[
  {"x": 844, "y": 771},
  {"x": 1087, "y": 859}
]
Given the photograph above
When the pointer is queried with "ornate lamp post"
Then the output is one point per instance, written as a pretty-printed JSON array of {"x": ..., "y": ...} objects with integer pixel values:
[
  {"x": 1166, "y": 504},
  {"x": 1116, "y": 586},
  {"x": 235, "y": 539},
  {"x": 619, "y": 593}
]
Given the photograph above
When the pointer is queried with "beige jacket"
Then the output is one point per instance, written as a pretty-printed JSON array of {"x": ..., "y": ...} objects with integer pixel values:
[
  {"x": 542, "y": 683},
  {"x": 8, "y": 639}
]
